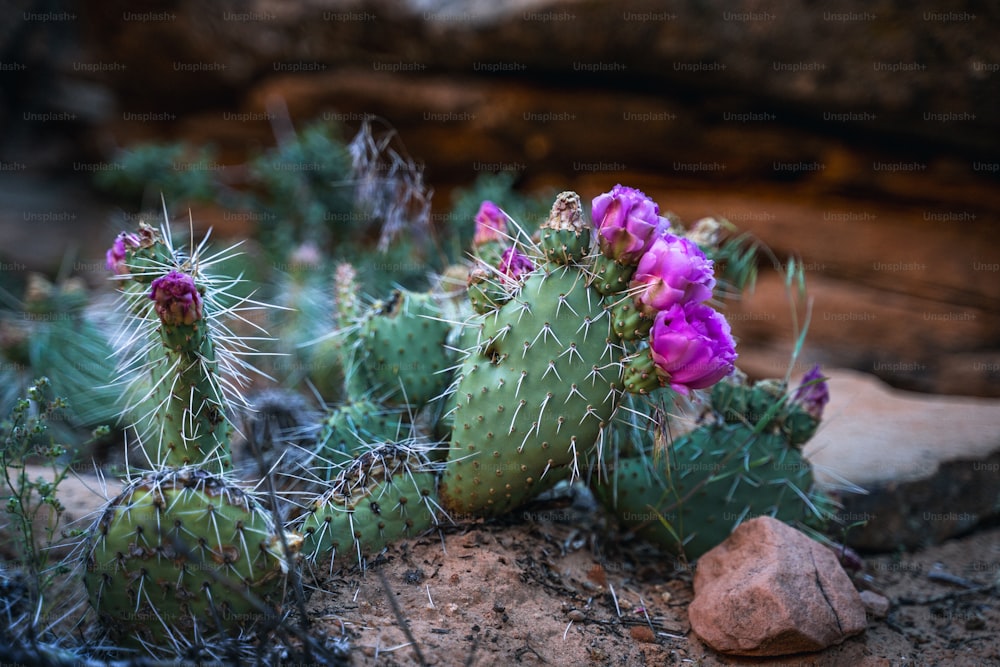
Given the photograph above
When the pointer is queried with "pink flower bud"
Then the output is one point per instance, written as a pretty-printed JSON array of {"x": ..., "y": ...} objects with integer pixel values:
[
  {"x": 514, "y": 264},
  {"x": 813, "y": 394},
  {"x": 627, "y": 221},
  {"x": 491, "y": 224},
  {"x": 692, "y": 346},
  {"x": 177, "y": 299},
  {"x": 115, "y": 257}
]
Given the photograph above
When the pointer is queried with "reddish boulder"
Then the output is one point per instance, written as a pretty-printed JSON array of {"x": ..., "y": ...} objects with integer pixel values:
[{"x": 771, "y": 590}]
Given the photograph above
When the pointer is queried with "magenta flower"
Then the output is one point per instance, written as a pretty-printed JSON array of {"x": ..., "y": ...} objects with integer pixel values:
[
  {"x": 115, "y": 257},
  {"x": 491, "y": 224},
  {"x": 692, "y": 346},
  {"x": 177, "y": 299},
  {"x": 673, "y": 270},
  {"x": 626, "y": 221},
  {"x": 813, "y": 394},
  {"x": 514, "y": 263}
]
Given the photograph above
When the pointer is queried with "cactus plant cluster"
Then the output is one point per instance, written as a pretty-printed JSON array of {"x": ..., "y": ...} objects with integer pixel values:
[{"x": 554, "y": 362}]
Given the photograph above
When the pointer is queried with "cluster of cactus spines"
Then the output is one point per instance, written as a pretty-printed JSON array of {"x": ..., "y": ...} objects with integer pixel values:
[
  {"x": 350, "y": 428},
  {"x": 181, "y": 553},
  {"x": 387, "y": 493},
  {"x": 184, "y": 551},
  {"x": 744, "y": 460}
]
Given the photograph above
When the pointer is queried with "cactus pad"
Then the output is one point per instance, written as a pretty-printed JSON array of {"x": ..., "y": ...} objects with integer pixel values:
[
  {"x": 183, "y": 553},
  {"x": 533, "y": 396},
  {"x": 386, "y": 494},
  {"x": 745, "y": 460},
  {"x": 404, "y": 348}
]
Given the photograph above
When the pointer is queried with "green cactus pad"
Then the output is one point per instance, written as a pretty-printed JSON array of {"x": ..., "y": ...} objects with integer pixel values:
[
  {"x": 713, "y": 479},
  {"x": 405, "y": 351},
  {"x": 486, "y": 292},
  {"x": 182, "y": 553},
  {"x": 533, "y": 395},
  {"x": 386, "y": 494},
  {"x": 352, "y": 428},
  {"x": 763, "y": 404}
]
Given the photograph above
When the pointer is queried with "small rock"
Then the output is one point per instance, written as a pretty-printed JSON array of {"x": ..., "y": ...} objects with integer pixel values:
[
  {"x": 643, "y": 633},
  {"x": 770, "y": 590},
  {"x": 876, "y": 605}
]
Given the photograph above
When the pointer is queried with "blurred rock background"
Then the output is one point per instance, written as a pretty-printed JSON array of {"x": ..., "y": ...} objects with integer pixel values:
[{"x": 864, "y": 139}]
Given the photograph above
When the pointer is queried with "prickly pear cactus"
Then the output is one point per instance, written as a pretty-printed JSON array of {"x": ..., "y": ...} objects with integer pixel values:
[
  {"x": 564, "y": 330},
  {"x": 185, "y": 553},
  {"x": 386, "y": 494},
  {"x": 744, "y": 460}
]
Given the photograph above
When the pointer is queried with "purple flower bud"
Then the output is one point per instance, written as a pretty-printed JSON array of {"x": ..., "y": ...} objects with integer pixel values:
[
  {"x": 673, "y": 270},
  {"x": 626, "y": 221},
  {"x": 514, "y": 263},
  {"x": 491, "y": 224},
  {"x": 813, "y": 394},
  {"x": 115, "y": 257},
  {"x": 692, "y": 346},
  {"x": 306, "y": 257},
  {"x": 177, "y": 299}
]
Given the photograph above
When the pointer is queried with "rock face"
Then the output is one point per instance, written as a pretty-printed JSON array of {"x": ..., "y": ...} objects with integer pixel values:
[
  {"x": 872, "y": 66},
  {"x": 770, "y": 590},
  {"x": 928, "y": 463},
  {"x": 862, "y": 139}
]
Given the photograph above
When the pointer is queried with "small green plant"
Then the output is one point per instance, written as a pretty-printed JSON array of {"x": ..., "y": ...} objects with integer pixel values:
[
  {"x": 363, "y": 200},
  {"x": 31, "y": 503},
  {"x": 33, "y": 509}
]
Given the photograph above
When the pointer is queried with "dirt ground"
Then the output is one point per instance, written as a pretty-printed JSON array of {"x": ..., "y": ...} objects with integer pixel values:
[{"x": 552, "y": 585}]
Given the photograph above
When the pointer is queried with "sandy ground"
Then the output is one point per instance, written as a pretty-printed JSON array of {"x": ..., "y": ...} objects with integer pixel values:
[
  {"x": 552, "y": 585},
  {"x": 555, "y": 584}
]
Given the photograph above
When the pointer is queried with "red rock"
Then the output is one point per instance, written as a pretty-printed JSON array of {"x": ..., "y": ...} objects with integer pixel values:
[{"x": 770, "y": 590}]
